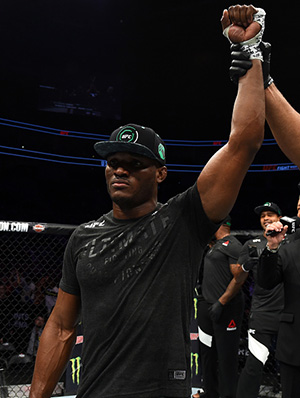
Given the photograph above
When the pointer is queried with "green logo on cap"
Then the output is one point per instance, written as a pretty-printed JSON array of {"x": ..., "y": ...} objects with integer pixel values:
[
  {"x": 273, "y": 206},
  {"x": 162, "y": 151},
  {"x": 127, "y": 134}
]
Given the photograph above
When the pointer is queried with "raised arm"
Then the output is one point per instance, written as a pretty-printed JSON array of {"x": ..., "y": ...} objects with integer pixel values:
[
  {"x": 282, "y": 118},
  {"x": 284, "y": 122},
  {"x": 220, "y": 181},
  {"x": 56, "y": 345}
]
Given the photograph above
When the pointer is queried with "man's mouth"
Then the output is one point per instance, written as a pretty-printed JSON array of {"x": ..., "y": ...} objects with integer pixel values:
[{"x": 119, "y": 183}]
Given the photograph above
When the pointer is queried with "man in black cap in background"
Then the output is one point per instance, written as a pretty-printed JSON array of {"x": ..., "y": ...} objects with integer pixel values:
[
  {"x": 220, "y": 315},
  {"x": 131, "y": 273},
  {"x": 266, "y": 306}
]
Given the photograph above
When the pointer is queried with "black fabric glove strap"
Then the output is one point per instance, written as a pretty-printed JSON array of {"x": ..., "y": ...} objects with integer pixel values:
[{"x": 266, "y": 50}]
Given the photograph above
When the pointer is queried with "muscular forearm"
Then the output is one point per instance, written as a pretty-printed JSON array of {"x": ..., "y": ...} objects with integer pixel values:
[
  {"x": 232, "y": 289},
  {"x": 53, "y": 355},
  {"x": 218, "y": 194},
  {"x": 238, "y": 273},
  {"x": 284, "y": 122},
  {"x": 248, "y": 116}
]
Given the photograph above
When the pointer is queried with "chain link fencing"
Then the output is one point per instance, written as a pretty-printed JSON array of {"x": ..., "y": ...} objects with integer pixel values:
[{"x": 31, "y": 264}]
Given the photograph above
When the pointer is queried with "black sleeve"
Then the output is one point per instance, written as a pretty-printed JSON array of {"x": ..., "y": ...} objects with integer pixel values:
[
  {"x": 234, "y": 251},
  {"x": 244, "y": 254},
  {"x": 269, "y": 271},
  {"x": 231, "y": 247}
]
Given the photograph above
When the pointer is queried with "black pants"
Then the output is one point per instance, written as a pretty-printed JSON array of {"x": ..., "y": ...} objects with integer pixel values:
[
  {"x": 290, "y": 380},
  {"x": 251, "y": 376},
  {"x": 219, "y": 360}
]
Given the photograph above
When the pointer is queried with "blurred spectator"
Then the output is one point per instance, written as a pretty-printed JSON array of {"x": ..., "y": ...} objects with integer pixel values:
[
  {"x": 39, "y": 307},
  {"x": 51, "y": 294},
  {"x": 18, "y": 285},
  {"x": 36, "y": 332},
  {"x": 4, "y": 302},
  {"x": 39, "y": 298},
  {"x": 19, "y": 322}
]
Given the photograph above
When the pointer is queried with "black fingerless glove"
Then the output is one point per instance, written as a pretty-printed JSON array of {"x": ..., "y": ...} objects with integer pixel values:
[
  {"x": 249, "y": 264},
  {"x": 215, "y": 311},
  {"x": 240, "y": 63}
]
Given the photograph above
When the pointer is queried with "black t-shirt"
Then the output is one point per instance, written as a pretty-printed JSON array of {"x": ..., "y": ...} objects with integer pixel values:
[
  {"x": 136, "y": 280},
  {"x": 216, "y": 267},
  {"x": 262, "y": 300}
]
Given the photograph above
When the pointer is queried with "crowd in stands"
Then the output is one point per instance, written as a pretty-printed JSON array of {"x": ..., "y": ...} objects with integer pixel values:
[{"x": 25, "y": 306}]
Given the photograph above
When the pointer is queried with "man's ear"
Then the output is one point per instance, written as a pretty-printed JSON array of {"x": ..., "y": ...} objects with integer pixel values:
[{"x": 161, "y": 174}]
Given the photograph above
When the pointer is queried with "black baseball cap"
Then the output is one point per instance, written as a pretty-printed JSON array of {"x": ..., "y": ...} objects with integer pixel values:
[
  {"x": 136, "y": 139},
  {"x": 268, "y": 206}
]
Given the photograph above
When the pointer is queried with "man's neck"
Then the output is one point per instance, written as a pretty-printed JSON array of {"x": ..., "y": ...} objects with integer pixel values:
[{"x": 125, "y": 213}]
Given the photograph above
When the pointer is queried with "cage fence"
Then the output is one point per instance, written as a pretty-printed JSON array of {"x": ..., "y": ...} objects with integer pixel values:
[{"x": 31, "y": 265}]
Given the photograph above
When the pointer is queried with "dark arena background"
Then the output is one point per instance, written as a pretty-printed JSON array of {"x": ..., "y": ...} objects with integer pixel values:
[{"x": 73, "y": 71}]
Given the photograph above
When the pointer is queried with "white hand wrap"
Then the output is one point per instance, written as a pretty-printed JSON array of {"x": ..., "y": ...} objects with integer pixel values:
[{"x": 251, "y": 46}]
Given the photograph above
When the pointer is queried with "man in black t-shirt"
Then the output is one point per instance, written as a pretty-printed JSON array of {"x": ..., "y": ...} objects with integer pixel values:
[
  {"x": 131, "y": 273},
  {"x": 220, "y": 314},
  {"x": 266, "y": 306}
]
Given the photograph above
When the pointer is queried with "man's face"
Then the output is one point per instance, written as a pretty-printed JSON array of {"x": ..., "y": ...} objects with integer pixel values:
[
  {"x": 267, "y": 217},
  {"x": 39, "y": 322},
  {"x": 131, "y": 179}
]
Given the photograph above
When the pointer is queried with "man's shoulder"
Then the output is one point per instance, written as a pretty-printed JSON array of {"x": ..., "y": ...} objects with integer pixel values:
[
  {"x": 190, "y": 192},
  {"x": 229, "y": 244},
  {"x": 230, "y": 239},
  {"x": 93, "y": 225}
]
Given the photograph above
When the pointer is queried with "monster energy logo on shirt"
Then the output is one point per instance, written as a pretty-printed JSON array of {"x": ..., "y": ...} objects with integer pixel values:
[
  {"x": 195, "y": 357},
  {"x": 75, "y": 369}
]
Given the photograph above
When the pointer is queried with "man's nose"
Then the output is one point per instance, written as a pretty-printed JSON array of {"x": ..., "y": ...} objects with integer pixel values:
[{"x": 121, "y": 170}]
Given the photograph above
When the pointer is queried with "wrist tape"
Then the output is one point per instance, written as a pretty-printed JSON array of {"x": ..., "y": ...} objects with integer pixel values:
[{"x": 251, "y": 46}]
